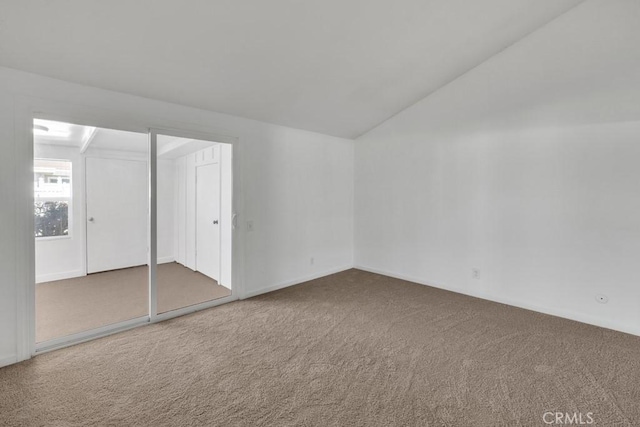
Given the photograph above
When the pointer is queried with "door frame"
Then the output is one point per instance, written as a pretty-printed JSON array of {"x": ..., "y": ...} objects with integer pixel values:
[
  {"x": 220, "y": 222},
  {"x": 83, "y": 161},
  {"x": 87, "y": 240},
  {"x": 153, "y": 231},
  {"x": 26, "y": 110}
]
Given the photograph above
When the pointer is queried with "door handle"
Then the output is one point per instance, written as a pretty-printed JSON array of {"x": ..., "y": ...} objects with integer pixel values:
[
  {"x": 90, "y": 219},
  {"x": 215, "y": 222}
]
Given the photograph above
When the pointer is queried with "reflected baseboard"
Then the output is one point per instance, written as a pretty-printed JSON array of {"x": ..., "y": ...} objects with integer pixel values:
[{"x": 52, "y": 277}]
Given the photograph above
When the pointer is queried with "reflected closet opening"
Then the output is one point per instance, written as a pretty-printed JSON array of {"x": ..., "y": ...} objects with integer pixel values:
[
  {"x": 194, "y": 222},
  {"x": 129, "y": 228}
]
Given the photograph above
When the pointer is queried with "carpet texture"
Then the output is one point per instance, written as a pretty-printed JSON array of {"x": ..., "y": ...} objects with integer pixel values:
[
  {"x": 351, "y": 349},
  {"x": 69, "y": 306}
]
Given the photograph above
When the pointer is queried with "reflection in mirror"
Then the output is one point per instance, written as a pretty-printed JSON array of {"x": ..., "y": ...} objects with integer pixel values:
[
  {"x": 194, "y": 222},
  {"x": 90, "y": 226}
]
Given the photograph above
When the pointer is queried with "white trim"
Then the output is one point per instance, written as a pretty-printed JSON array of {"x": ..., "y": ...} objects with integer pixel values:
[
  {"x": 9, "y": 360},
  {"x": 101, "y": 153},
  {"x": 152, "y": 223},
  {"x": 166, "y": 259},
  {"x": 189, "y": 134},
  {"x": 43, "y": 278},
  {"x": 50, "y": 238},
  {"x": 172, "y": 146},
  {"x": 578, "y": 317},
  {"x": 296, "y": 281},
  {"x": 212, "y": 161},
  {"x": 80, "y": 337},
  {"x": 87, "y": 142}
]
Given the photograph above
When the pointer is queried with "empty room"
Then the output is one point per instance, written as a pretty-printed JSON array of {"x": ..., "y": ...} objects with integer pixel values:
[{"x": 319, "y": 213}]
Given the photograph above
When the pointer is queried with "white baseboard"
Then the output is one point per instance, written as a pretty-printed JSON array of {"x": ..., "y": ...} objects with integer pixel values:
[
  {"x": 8, "y": 360},
  {"x": 166, "y": 259},
  {"x": 578, "y": 317},
  {"x": 41, "y": 278},
  {"x": 294, "y": 282}
]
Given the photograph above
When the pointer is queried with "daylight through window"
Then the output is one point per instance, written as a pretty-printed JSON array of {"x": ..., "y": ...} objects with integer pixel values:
[{"x": 52, "y": 197}]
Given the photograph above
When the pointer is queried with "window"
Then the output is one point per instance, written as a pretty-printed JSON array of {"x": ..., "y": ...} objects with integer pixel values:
[{"x": 52, "y": 197}]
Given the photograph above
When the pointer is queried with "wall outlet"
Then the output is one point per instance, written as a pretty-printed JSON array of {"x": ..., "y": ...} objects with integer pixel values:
[
  {"x": 475, "y": 273},
  {"x": 249, "y": 225},
  {"x": 602, "y": 299},
  {"x": 312, "y": 261}
]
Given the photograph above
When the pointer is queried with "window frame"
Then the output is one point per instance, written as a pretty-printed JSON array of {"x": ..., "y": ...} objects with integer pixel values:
[{"x": 68, "y": 199}]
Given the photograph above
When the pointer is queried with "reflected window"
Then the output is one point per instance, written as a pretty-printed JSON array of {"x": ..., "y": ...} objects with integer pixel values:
[{"x": 52, "y": 197}]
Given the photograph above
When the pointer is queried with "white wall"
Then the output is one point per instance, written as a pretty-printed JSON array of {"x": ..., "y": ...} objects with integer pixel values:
[
  {"x": 166, "y": 210},
  {"x": 295, "y": 186},
  {"x": 190, "y": 223},
  {"x": 8, "y": 235},
  {"x": 180, "y": 211},
  {"x": 525, "y": 168}
]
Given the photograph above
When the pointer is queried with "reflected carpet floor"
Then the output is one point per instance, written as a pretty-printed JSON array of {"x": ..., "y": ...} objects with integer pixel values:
[
  {"x": 69, "y": 306},
  {"x": 350, "y": 349}
]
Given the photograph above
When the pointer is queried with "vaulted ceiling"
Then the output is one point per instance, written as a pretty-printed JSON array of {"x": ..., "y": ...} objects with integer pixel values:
[{"x": 338, "y": 67}]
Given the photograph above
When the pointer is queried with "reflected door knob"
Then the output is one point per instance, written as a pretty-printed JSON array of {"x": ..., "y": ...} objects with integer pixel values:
[{"x": 215, "y": 222}]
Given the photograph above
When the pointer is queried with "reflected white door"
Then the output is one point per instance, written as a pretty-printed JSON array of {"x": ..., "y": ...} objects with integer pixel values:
[
  {"x": 117, "y": 206},
  {"x": 208, "y": 220}
]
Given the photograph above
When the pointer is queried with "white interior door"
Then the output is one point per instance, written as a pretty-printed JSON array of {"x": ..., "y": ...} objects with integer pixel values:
[
  {"x": 117, "y": 206},
  {"x": 208, "y": 220}
]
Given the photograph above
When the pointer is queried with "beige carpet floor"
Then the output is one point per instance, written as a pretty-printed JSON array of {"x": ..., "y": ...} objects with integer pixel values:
[
  {"x": 351, "y": 349},
  {"x": 69, "y": 306}
]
